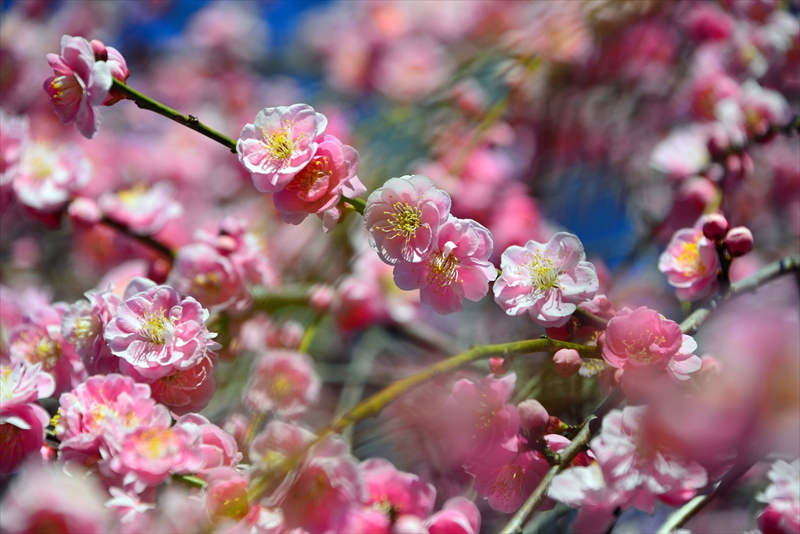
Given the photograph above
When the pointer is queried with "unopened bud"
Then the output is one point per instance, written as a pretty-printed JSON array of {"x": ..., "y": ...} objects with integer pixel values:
[
  {"x": 567, "y": 362},
  {"x": 532, "y": 415},
  {"x": 99, "y": 49},
  {"x": 499, "y": 365},
  {"x": 739, "y": 241},
  {"x": 715, "y": 226}
]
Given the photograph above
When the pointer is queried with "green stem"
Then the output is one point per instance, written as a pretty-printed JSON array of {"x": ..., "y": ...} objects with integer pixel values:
[
  {"x": 190, "y": 480},
  {"x": 358, "y": 203},
  {"x": 190, "y": 121}
]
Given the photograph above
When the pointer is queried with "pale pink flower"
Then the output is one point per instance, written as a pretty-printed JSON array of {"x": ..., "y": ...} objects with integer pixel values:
[
  {"x": 283, "y": 382},
  {"x": 394, "y": 492},
  {"x": 457, "y": 267},
  {"x": 148, "y": 455},
  {"x": 546, "y": 280},
  {"x": 102, "y": 410},
  {"x": 690, "y": 263},
  {"x": 200, "y": 271},
  {"x": 157, "y": 333},
  {"x": 38, "y": 340},
  {"x": 643, "y": 343},
  {"x": 82, "y": 326},
  {"x": 483, "y": 421},
  {"x": 21, "y": 434},
  {"x": 22, "y": 384},
  {"x": 683, "y": 153},
  {"x": 127, "y": 505},
  {"x": 13, "y": 141},
  {"x": 763, "y": 108},
  {"x": 275, "y": 444},
  {"x": 638, "y": 468},
  {"x": 217, "y": 446},
  {"x": 80, "y": 85},
  {"x": 280, "y": 142},
  {"x": 143, "y": 210},
  {"x": 782, "y": 514},
  {"x": 320, "y": 185},
  {"x": 403, "y": 218},
  {"x": 459, "y": 515},
  {"x": 48, "y": 177},
  {"x": 584, "y": 487},
  {"x": 325, "y": 486},
  {"x": 411, "y": 68},
  {"x": 46, "y": 500}
]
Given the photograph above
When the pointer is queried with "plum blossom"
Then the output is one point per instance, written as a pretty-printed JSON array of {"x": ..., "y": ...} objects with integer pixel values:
[
  {"x": 683, "y": 153},
  {"x": 184, "y": 391},
  {"x": 585, "y": 488},
  {"x": 412, "y": 68},
  {"x": 457, "y": 267},
  {"x": 143, "y": 210},
  {"x": 458, "y": 515},
  {"x": 22, "y": 384},
  {"x": 279, "y": 143},
  {"x": 116, "y": 65},
  {"x": 643, "y": 344},
  {"x": 403, "y": 218},
  {"x": 506, "y": 486},
  {"x": 690, "y": 263},
  {"x": 394, "y": 492},
  {"x": 218, "y": 447},
  {"x": 48, "y": 177},
  {"x": 80, "y": 85},
  {"x": 319, "y": 186},
  {"x": 82, "y": 326},
  {"x": 48, "y": 500},
  {"x": 283, "y": 382},
  {"x": 200, "y": 271},
  {"x": 546, "y": 280},
  {"x": 638, "y": 468},
  {"x": 21, "y": 434},
  {"x": 782, "y": 514},
  {"x": 14, "y": 133},
  {"x": 157, "y": 333}
]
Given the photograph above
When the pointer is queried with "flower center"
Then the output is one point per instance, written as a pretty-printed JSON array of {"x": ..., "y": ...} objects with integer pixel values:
[
  {"x": 689, "y": 259},
  {"x": 67, "y": 90},
  {"x": 156, "y": 443},
  {"x": 6, "y": 389},
  {"x": 443, "y": 267},
  {"x": 41, "y": 162},
  {"x": 46, "y": 351},
  {"x": 310, "y": 175},
  {"x": 280, "y": 144},
  {"x": 639, "y": 349},
  {"x": 130, "y": 197},
  {"x": 404, "y": 220},
  {"x": 544, "y": 275},
  {"x": 280, "y": 387},
  {"x": 156, "y": 327}
]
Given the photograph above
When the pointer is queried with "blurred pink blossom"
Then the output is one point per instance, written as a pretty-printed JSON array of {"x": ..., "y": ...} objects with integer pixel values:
[
  {"x": 48, "y": 177},
  {"x": 782, "y": 514},
  {"x": 21, "y": 434},
  {"x": 458, "y": 515},
  {"x": 394, "y": 492},
  {"x": 691, "y": 264},
  {"x": 283, "y": 382},
  {"x": 411, "y": 68},
  {"x": 145, "y": 210},
  {"x": 13, "y": 142}
]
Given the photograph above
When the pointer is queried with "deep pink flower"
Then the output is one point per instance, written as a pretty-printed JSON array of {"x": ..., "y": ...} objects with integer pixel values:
[
  {"x": 283, "y": 382},
  {"x": 546, "y": 280},
  {"x": 690, "y": 263},
  {"x": 200, "y": 271},
  {"x": 320, "y": 185},
  {"x": 143, "y": 210},
  {"x": 506, "y": 486},
  {"x": 185, "y": 390},
  {"x": 21, "y": 434},
  {"x": 48, "y": 177},
  {"x": 80, "y": 85},
  {"x": 635, "y": 466},
  {"x": 279, "y": 143},
  {"x": 403, "y": 218},
  {"x": 483, "y": 421},
  {"x": 457, "y": 267},
  {"x": 459, "y": 515},
  {"x": 157, "y": 333},
  {"x": 394, "y": 492},
  {"x": 782, "y": 514},
  {"x": 48, "y": 500}
]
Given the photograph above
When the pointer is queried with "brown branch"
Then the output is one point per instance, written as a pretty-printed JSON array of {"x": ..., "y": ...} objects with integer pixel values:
[{"x": 146, "y": 240}]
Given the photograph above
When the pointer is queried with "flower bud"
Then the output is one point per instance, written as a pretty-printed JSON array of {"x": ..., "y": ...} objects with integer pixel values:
[
  {"x": 84, "y": 211},
  {"x": 532, "y": 415},
  {"x": 739, "y": 241},
  {"x": 320, "y": 297},
  {"x": 499, "y": 365},
  {"x": 715, "y": 226},
  {"x": 567, "y": 362},
  {"x": 99, "y": 49}
]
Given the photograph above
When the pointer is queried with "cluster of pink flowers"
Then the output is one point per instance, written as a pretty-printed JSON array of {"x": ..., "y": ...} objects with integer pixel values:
[
  {"x": 446, "y": 258},
  {"x": 782, "y": 514},
  {"x": 308, "y": 172}
]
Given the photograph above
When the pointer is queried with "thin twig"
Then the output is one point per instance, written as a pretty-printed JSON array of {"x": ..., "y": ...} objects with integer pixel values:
[{"x": 147, "y": 240}]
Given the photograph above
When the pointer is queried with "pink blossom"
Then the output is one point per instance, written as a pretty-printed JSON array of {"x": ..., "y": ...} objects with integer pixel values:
[
  {"x": 546, "y": 280},
  {"x": 326, "y": 485},
  {"x": 763, "y": 108},
  {"x": 567, "y": 362},
  {"x": 483, "y": 421},
  {"x": 48, "y": 177},
  {"x": 226, "y": 496},
  {"x": 403, "y": 218},
  {"x": 506, "y": 486},
  {"x": 683, "y": 153},
  {"x": 459, "y": 515},
  {"x": 368, "y": 520},
  {"x": 143, "y": 210},
  {"x": 127, "y": 505},
  {"x": 456, "y": 268},
  {"x": 217, "y": 446},
  {"x": 585, "y": 488},
  {"x": 48, "y": 500},
  {"x": 21, "y": 434},
  {"x": 116, "y": 65},
  {"x": 280, "y": 142},
  {"x": 83, "y": 325},
  {"x": 782, "y": 514},
  {"x": 156, "y": 333},
  {"x": 394, "y": 492},
  {"x": 283, "y": 382},
  {"x": 201, "y": 272},
  {"x": 319, "y": 186},
  {"x": 184, "y": 391},
  {"x": 39, "y": 340},
  {"x": 710, "y": 88},
  {"x": 275, "y": 444},
  {"x": 739, "y": 241},
  {"x": 709, "y": 22},
  {"x": 13, "y": 141},
  {"x": 691, "y": 263},
  {"x": 80, "y": 85},
  {"x": 411, "y": 68},
  {"x": 533, "y": 417},
  {"x": 22, "y": 384},
  {"x": 638, "y": 468},
  {"x": 102, "y": 410}
]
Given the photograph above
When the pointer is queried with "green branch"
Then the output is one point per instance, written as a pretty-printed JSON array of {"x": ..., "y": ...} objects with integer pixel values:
[{"x": 190, "y": 121}]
